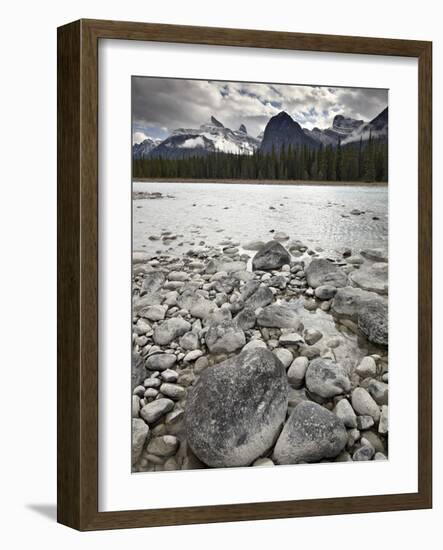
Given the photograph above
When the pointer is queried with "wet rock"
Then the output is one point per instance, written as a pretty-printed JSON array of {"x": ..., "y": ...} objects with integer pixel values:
[
  {"x": 140, "y": 432},
  {"x": 169, "y": 330},
  {"x": 375, "y": 254},
  {"x": 350, "y": 301},
  {"x": 346, "y": 413},
  {"x": 326, "y": 379},
  {"x": 373, "y": 278},
  {"x": 373, "y": 322},
  {"x": 363, "y": 404},
  {"x": 153, "y": 281},
  {"x": 253, "y": 245},
  {"x": 155, "y": 410},
  {"x": 271, "y": 256},
  {"x": 235, "y": 410},
  {"x": 311, "y": 433},
  {"x": 322, "y": 272},
  {"x": 325, "y": 292},
  {"x": 225, "y": 337},
  {"x": 278, "y": 316},
  {"x": 312, "y": 336},
  {"x": 160, "y": 361}
]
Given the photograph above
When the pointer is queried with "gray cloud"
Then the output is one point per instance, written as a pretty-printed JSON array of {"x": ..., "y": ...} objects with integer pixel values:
[{"x": 162, "y": 104}]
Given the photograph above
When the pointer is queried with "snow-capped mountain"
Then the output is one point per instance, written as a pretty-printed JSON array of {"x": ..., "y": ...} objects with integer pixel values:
[
  {"x": 142, "y": 150},
  {"x": 211, "y": 137},
  {"x": 346, "y": 130}
]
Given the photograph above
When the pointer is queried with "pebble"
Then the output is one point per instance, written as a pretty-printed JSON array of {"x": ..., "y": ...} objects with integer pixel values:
[
  {"x": 191, "y": 356},
  {"x": 163, "y": 446},
  {"x": 363, "y": 404},
  {"x": 173, "y": 391},
  {"x": 284, "y": 355},
  {"x": 346, "y": 413},
  {"x": 366, "y": 368},
  {"x": 156, "y": 409},
  {"x": 296, "y": 372}
]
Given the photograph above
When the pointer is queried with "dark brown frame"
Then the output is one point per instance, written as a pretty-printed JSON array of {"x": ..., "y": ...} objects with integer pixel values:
[{"x": 77, "y": 455}]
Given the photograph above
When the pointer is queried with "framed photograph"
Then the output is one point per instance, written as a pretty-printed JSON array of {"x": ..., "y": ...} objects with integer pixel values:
[{"x": 244, "y": 275}]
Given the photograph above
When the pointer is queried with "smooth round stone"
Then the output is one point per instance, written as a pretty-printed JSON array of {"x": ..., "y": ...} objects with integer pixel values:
[
  {"x": 366, "y": 368},
  {"x": 363, "y": 404},
  {"x": 156, "y": 409},
  {"x": 379, "y": 391},
  {"x": 160, "y": 361},
  {"x": 189, "y": 341},
  {"x": 296, "y": 372},
  {"x": 254, "y": 344},
  {"x": 168, "y": 376},
  {"x": 284, "y": 355},
  {"x": 366, "y": 452},
  {"x": 325, "y": 292},
  {"x": 236, "y": 409},
  {"x": 153, "y": 382},
  {"x": 326, "y": 379},
  {"x": 140, "y": 433},
  {"x": 169, "y": 330},
  {"x": 191, "y": 356},
  {"x": 311, "y": 434},
  {"x": 312, "y": 336},
  {"x": 346, "y": 413},
  {"x": 172, "y": 391}
]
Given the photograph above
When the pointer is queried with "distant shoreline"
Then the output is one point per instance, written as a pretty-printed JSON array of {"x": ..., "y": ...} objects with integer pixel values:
[{"x": 265, "y": 182}]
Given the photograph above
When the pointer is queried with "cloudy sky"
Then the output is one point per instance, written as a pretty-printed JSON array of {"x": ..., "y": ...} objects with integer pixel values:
[{"x": 162, "y": 104}]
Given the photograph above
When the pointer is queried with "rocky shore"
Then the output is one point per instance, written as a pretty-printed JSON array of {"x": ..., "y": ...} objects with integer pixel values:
[{"x": 259, "y": 354}]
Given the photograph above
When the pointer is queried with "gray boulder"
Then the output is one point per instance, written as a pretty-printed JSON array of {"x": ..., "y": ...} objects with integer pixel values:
[
  {"x": 326, "y": 379},
  {"x": 236, "y": 409},
  {"x": 225, "y": 337},
  {"x": 373, "y": 322},
  {"x": 169, "y": 330},
  {"x": 349, "y": 301},
  {"x": 373, "y": 278},
  {"x": 321, "y": 272},
  {"x": 140, "y": 432},
  {"x": 245, "y": 320},
  {"x": 312, "y": 433},
  {"x": 278, "y": 316},
  {"x": 272, "y": 255}
]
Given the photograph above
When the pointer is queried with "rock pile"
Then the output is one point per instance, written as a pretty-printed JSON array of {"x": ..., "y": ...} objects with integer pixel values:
[{"x": 282, "y": 364}]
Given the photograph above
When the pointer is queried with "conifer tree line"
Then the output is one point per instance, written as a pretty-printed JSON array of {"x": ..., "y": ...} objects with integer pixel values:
[{"x": 365, "y": 161}]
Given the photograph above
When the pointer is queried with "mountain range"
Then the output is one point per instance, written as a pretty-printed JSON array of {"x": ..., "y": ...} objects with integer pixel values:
[{"x": 280, "y": 131}]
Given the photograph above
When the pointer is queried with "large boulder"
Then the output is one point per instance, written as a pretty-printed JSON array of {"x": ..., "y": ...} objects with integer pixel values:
[
  {"x": 272, "y": 255},
  {"x": 321, "y": 272},
  {"x": 373, "y": 322},
  {"x": 225, "y": 337},
  {"x": 310, "y": 434},
  {"x": 170, "y": 329},
  {"x": 326, "y": 379},
  {"x": 373, "y": 278},
  {"x": 236, "y": 409},
  {"x": 279, "y": 316},
  {"x": 349, "y": 301}
]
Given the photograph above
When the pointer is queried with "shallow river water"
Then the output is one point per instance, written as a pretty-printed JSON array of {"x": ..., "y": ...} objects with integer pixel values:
[{"x": 319, "y": 216}]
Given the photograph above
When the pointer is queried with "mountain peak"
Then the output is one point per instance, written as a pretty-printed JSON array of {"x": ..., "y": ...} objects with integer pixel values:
[
  {"x": 243, "y": 129},
  {"x": 216, "y": 122}
]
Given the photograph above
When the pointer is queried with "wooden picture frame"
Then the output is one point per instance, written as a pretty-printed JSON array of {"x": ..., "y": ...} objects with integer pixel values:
[{"x": 78, "y": 273}]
